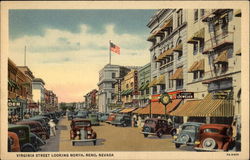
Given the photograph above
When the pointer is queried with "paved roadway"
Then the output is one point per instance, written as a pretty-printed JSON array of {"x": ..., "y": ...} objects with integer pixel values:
[{"x": 111, "y": 138}]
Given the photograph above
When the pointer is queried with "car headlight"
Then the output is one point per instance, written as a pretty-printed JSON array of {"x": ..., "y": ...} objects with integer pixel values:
[
  {"x": 89, "y": 132},
  {"x": 175, "y": 137},
  {"x": 197, "y": 142},
  {"x": 78, "y": 132}
]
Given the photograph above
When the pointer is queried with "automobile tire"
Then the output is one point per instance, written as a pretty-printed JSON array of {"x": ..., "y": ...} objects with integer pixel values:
[
  {"x": 124, "y": 125},
  {"x": 184, "y": 138},
  {"x": 145, "y": 135},
  {"x": 28, "y": 148},
  {"x": 177, "y": 145},
  {"x": 159, "y": 134},
  {"x": 209, "y": 143},
  {"x": 173, "y": 132},
  {"x": 44, "y": 137},
  {"x": 94, "y": 142}
]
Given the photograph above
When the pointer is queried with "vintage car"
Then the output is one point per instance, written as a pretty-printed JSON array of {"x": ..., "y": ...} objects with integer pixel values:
[
  {"x": 94, "y": 119},
  {"x": 104, "y": 117},
  {"x": 28, "y": 141},
  {"x": 81, "y": 114},
  {"x": 36, "y": 128},
  {"x": 110, "y": 118},
  {"x": 70, "y": 115},
  {"x": 158, "y": 127},
  {"x": 187, "y": 134},
  {"x": 52, "y": 116},
  {"x": 13, "y": 142},
  {"x": 122, "y": 120},
  {"x": 215, "y": 137},
  {"x": 81, "y": 128},
  {"x": 45, "y": 125}
]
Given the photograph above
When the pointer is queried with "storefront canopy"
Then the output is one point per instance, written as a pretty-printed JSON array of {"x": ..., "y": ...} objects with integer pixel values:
[
  {"x": 127, "y": 110},
  {"x": 208, "y": 107}
]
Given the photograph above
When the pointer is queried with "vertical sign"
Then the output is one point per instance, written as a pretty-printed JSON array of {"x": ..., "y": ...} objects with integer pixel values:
[
  {"x": 136, "y": 83},
  {"x": 119, "y": 89}
]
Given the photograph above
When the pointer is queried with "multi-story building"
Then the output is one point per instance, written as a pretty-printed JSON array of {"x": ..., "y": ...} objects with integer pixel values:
[
  {"x": 91, "y": 99},
  {"x": 144, "y": 77},
  {"x": 38, "y": 91},
  {"x": 107, "y": 77}
]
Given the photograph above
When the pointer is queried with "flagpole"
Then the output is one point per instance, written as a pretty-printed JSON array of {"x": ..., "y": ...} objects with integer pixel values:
[{"x": 109, "y": 53}]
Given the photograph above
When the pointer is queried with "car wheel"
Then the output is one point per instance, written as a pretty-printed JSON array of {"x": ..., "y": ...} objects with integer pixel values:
[
  {"x": 94, "y": 142},
  {"x": 28, "y": 148},
  {"x": 177, "y": 145},
  {"x": 209, "y": 143},
  {"x": 145, "y": 135},
  {"x": 159, "y": 134},
  {"x": 184, "y": 138},
  {"x": 124, "y": 125},
  {"x": 173, "y": 132}
]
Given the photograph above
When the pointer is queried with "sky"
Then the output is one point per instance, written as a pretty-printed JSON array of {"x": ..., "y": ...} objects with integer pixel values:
[{"x": 68, "y": 48}]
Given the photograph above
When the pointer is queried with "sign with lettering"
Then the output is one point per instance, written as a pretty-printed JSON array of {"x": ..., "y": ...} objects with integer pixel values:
[
  {"x": 119, "y": 90},
  {"x": 136, "y": 92},
  {"x": 185, "y": 95}
]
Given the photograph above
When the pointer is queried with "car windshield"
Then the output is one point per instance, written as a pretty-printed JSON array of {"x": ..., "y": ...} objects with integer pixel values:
[
  {"x": 82, "y": 123},
  {"x": 188, "y": 128},
  {"x": 150, "y": 122},
  {"x": 211, "y": 130},
  {"x": 119, "y": 117}
]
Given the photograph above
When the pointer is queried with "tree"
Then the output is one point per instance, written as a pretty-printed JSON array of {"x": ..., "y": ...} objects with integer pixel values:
[{"x": 63, "y": 106}]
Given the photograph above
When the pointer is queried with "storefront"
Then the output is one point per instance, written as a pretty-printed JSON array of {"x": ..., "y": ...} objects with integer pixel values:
[{"x": 17, "y": 107}]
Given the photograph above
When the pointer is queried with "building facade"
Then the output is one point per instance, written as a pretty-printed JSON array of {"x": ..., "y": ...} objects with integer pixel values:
[
  {"x": 144, "y": 77},
  {"x": 39, "y": 93},
  {"x": 91, "y": 100},
  {"x": 107, "y": 77}
]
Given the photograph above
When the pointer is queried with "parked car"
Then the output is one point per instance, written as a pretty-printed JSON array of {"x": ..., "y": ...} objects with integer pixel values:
[
  {"x": 13, "y": 142},
  {"x": 215, "y": 137},
  {"x": 82, "y": 124},
  {"x": 187, "y": 134},
  {"x": 42, "y": 121},
  {"x": 104, "y": 117},
  {"x": 158, "y": 127},
  {"x": 36, "y": 128},
  {"x": 28, "y": 141},
  {"x": 70, "y": 115},
  {"x": 122, "y": 120},
  {"x": 52, "y": 116},
  {"x": 94, "y": 119},
  {"x": 110, "y": 118}
]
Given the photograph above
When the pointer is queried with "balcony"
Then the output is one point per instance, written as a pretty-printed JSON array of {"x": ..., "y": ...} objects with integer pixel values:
[{"x": 218, "y": 41}]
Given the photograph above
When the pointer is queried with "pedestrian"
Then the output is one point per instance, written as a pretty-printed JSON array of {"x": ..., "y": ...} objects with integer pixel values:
[
  {"x": 139, "y": 122},
  {"x": 170, "y": 121},
  {"x": 52, "y": 128}
]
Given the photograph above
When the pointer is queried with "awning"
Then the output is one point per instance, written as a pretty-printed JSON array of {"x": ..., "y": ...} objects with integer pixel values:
[
  {"x": 199, "y": 66},
  {"x": 127, "y": 110},
  {"x": 167, "y": 24},
  {"x": 144, "y": 86},
  {"x": 160, "y": 80},
  {"x": 237, "y": 13},
  {"x": 166, "y": 53},
  {"x": 123, "y": 92},
  {"x": 138, "y": 110},
  {"x": 191, "y": 69},
  {"x": 222, "y": 58},
  {"x": 129, "y": 91},
  {"x": 199, "y": 35},
  {"x": 156, "y": 33},
  {"x": 238, "y": 52},
  {"x": 178, "y": 74},
  {"x": 210, "y": 107},
  {"x": 159, "y": 108},
  {"x": 152, "y": 83},
  {"x": 178, "y": 48},
  {"x": 186, "y": 108}
]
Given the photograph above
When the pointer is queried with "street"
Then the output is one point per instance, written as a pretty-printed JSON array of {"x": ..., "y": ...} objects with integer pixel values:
[{"x": 110, "y": 138}]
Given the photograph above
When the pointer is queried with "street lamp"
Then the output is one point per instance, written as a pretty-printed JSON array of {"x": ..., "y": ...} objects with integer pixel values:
[{"x": 150, "y": 106}]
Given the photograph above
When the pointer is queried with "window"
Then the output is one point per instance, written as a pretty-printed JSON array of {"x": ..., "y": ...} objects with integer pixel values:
[
  {"x": 196, "y": 75},
  {"x": 147, "y": 91},
  {"x": 224, "y": 67},
  {"x": 154, "y": 89},
  {"x": 195, "y": 48},
  {"x": 180, "y": 55},
  {"x": 179, "y": 17},
  {"x": 201, "y": 46},
  {"x": 131, "y": 84},
  {"x": 179, "y": 83},
  {"x": 170, "y": 81},
  {"x": 201, "y": 74},
  {"x": 142, "y": 92},
  {"x": 127, "y": 86},
  {"x": 162, "y": 88},
  {"x": 113, "y": 75},
  {"x": 202, "y": 12},
  {"x": 195, "y": 15}
]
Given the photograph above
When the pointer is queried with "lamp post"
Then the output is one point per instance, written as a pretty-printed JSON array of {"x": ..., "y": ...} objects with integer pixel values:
[{"x": 150, "y": 106}]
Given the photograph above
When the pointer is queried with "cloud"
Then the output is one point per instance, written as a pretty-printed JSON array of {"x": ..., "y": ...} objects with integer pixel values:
[{"x": 70, "y": 62}]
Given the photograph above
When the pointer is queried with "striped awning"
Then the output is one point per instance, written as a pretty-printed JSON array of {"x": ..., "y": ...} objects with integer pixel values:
[
  {"x": 178, "y": 48},
  {"x": 178, "y": 74},
  {"x": 167, "y": 24},
  {"x": 208, "y": 107},
  {"x": 136, "y": 111},
  {"x": 144, "y": 86},
  {"x": 159, "y": 108},
  {"x": 222, "y": 58},
  {"x": 186, "y": 109},
  {"x": 156, "y": 33},
  {"x": 191, "y": 69},
  {"x": 200, "y": 66},
  {"x": 199, "y": 35},
  {"x": 166, "y": 53},
  {"x": 152, "y": 83},
  {"x": 127, "y": 110},
  {"x": 160, "y": 80}
]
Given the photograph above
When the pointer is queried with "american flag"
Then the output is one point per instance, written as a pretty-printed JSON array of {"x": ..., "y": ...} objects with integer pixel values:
[{"x": 114, "y": 48}]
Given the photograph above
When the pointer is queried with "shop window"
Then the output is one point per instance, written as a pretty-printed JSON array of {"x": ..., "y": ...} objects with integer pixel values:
[
  {"x": 195, "y": 49},
  {"x": 195, "y": 15},
  {"x": 179, "y": 17}
]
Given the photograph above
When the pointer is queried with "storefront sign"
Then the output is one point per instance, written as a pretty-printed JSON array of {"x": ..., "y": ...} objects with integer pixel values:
[
  {"x": 119, "y": 90},
  {"x": 185, "y": 95},
  {"x": 136, "y": 92}
]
